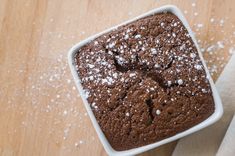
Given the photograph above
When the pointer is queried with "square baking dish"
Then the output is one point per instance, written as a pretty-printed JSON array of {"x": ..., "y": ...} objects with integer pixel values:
[{"x": 212, "y": 119}]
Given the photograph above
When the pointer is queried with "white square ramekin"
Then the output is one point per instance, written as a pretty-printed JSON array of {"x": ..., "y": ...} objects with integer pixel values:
[{"x": 212, "y": 119}]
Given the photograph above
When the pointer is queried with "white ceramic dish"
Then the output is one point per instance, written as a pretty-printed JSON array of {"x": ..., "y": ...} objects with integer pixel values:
[{"x": 212, "y": 119}]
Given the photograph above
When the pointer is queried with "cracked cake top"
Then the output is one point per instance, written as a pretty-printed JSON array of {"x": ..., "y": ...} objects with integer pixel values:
[{"x": 145, "y": 81}]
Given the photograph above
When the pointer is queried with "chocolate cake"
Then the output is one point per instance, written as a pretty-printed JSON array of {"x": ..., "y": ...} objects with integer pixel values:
[{"x": 145, "y": 81}]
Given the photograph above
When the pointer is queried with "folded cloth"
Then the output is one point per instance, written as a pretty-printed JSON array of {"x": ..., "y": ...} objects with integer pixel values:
[
  {"x": 227, "y": 147},
  {"x": 207, "y": 141}
]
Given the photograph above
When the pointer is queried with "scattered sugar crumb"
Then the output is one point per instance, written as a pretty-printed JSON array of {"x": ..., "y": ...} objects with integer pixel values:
[
  {"x": 126, "y": 36},
  {"x": 68, "y": 81},
  {"x": 192, "y": 55},
  {"x": 132, "y": 74},
  {"x": 156, "y": 65},
  {"x": 59, "y": 35},
  {"x": 198, "y": 67},
  {"x": 96, "y": 42},
  {"x": 204, "y": 90},
  {"x": 158, "y": 112},
  {"x": 220, "y": 44},
  {"x": 212, "y": 20},
  {"x": 180, "y": 81},
  {"x": 169, "y": 83},
  {"x": 153, "y": 50},
  {"x": 51, "y": 20},
  {"x": 66, "y": 131},
  {"x": 65, "y": 112},
  {"x": 138, "y": 36},
  {"x": 221, "y": 22},
  {"x": 199, "y": 25},
  {"x": 231, "y": 50}
]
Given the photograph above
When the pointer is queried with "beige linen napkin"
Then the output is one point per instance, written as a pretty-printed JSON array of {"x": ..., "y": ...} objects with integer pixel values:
[
  {"x": 227, "y": 147},
  {"x": 207, "y": 141}
]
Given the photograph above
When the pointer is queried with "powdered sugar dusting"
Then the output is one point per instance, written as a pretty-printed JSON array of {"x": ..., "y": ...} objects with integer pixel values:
[
  {"x": 56, "y": 78},
  {"x": 217, "y": 48}
]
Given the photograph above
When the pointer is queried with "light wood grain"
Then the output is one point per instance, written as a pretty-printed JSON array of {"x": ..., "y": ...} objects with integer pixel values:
[{"x": 36, "y": 89}]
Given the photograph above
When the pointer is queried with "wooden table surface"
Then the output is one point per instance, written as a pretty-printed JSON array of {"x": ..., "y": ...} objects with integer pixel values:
[{"x": 41, "y": 112}]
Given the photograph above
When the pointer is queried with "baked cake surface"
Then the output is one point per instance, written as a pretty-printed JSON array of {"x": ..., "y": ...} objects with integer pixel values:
[{"x": 145, "y": 81}]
